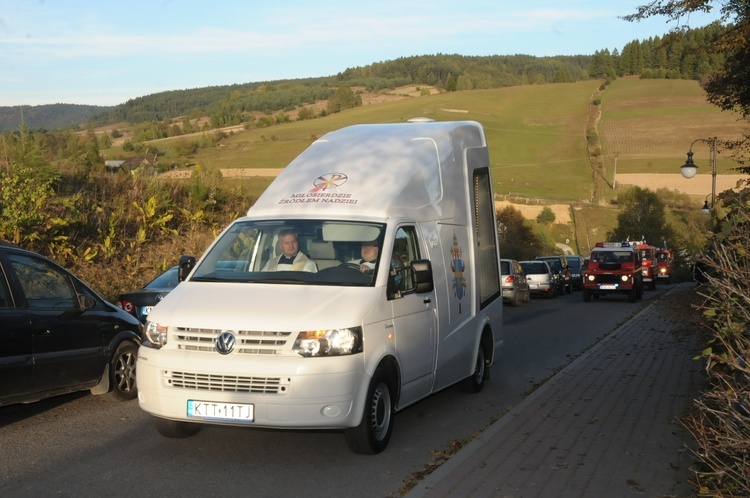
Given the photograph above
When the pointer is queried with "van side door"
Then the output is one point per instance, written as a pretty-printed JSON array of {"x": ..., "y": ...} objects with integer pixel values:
[{"x": 415, "y": 324}]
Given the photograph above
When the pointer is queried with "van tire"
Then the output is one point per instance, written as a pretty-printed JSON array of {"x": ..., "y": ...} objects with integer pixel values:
[
  {"x": 475, "y": 382},
  {"x": 122, "y": 371},
  {"x": 373, "y": 433}
]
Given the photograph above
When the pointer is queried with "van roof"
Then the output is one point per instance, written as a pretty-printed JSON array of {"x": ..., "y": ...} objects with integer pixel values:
[{"x": 380, "y": 170}]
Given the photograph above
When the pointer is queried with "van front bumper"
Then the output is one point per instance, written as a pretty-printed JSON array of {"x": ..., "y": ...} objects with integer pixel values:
[{"x": 285, "y": 392}]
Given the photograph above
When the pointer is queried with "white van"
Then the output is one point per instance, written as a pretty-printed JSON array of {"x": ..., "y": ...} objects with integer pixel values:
[{"x": 334, "y": 337}]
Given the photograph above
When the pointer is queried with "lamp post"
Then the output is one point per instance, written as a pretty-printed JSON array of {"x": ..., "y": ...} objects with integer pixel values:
[{"x": 689, "y": 169}]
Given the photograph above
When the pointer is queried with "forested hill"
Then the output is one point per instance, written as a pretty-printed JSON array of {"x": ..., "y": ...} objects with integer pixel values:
[
  {"x": 671, "y": 56},
  {"x": 48, "y": 117}
]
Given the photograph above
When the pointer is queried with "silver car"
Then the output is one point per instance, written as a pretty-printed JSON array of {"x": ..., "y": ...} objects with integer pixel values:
[
  {"x": 515, "y": 288},
  {"x": 540, "y": 278}
]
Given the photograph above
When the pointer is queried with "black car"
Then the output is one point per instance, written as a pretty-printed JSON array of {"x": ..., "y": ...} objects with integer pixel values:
[
  {"x": 139, "y": 303},
  {"x": 575, "y": 263},
  {"x": 57, "y": 335},
  {"x": 560, "y": 267}
]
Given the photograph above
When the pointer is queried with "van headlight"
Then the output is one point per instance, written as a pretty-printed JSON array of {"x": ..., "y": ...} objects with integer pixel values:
[
  {"x": 333, "y": 342},
  {"x": 155, "y": 335}
]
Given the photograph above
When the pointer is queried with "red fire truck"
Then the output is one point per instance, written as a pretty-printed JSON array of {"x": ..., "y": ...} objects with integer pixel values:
[
  {"x": 648, "y": 264},
  {"x": 664, "y": 263},
  {"x": 614, "y": 267}
]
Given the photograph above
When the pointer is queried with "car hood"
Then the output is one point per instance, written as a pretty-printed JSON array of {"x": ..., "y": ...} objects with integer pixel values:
[{"x": 271, "y": 307}]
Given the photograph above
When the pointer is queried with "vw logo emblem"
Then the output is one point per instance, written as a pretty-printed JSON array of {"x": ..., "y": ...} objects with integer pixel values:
[
  {"x": 159, "y": 297},
  {"x": 225, "y": 342}
]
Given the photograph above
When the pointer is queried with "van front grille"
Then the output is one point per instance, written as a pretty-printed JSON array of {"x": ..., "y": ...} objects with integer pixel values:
[
  {"x": 254, "y": 342},
  {"x": 227, "y": 383}
]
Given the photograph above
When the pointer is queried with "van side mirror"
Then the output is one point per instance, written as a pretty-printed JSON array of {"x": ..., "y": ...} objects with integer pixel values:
[
  {"x": 423, "y": 281},
  {"x": 186, "y": 266}
]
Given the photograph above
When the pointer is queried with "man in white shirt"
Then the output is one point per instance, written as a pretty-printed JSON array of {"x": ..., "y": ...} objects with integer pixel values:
[{"x": 291, "y": 258}]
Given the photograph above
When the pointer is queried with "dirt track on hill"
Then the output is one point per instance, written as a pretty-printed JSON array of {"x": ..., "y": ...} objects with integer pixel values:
[{"x": 698, "y": 185}]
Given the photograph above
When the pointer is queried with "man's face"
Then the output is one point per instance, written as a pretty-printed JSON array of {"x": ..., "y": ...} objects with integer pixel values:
[
  {"x": 370, "y": 252},
  {"x": 288, "y": 245}
]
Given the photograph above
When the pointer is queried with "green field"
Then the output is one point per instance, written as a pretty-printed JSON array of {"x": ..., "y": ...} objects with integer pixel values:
[
  {"x": 536, "y": 134},
  {"x": 537, "y": 138}
]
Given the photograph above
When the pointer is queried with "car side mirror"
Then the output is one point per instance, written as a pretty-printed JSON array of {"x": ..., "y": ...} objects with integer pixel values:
[
  {"x": 186, "y": 266},
  {"x": 86, "y": 302}
]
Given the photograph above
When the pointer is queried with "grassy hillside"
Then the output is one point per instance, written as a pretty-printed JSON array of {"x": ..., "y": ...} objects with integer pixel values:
[
  {"x": 537, "y": 137},
  {"x": 649, "y": 126},
  {"x": 536, "y": 134}
]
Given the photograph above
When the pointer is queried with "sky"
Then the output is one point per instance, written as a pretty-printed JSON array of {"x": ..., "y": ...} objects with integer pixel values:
[{"x": 105, "y": 52}]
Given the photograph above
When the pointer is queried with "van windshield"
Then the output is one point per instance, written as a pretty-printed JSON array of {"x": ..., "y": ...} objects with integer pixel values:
[{"x": 316, "y": 252}]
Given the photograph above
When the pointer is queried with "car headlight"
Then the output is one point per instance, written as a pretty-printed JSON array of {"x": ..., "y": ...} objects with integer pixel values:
[
  {"x": 624, "y": 278},
  {"x": 155, "y": 335},
  {"x": 591, "y": 277},
  {"x": 333, "y": 342}
]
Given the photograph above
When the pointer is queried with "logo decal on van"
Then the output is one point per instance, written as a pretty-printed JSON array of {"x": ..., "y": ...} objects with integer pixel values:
[
  {"x": 225, "y": 342},
  {"x": 328, "y": 181},
  {"x": 324, "y": 191},
  {"x": 457, "y": 267}
]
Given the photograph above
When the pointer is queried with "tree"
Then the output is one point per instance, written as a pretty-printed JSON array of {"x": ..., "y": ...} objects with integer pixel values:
[
  {"x": 642, "y": 216},
  {"x": 546, "y": 216},
  {"x": 343, "y": 98},
  {"x": 517, "y": 239}
]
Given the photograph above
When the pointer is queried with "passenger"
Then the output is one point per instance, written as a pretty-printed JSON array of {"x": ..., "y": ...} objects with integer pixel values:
[
  {"x": 369, "y": 252},
  {"x": 291, "y": 258}
]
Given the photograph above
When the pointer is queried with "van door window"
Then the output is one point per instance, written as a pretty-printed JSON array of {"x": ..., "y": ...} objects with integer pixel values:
[
  {"x": 405, "y": 250},
  {"x": 486, "y": 238}
]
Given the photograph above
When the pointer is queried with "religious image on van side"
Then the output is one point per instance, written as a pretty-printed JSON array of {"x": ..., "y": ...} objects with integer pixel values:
[{"x": 457, "y": 267}]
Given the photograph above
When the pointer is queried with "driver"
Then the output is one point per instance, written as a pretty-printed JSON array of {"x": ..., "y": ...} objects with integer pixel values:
[
  {"x": 291, "y": 258},
  {"x": 369, "y": 252}
]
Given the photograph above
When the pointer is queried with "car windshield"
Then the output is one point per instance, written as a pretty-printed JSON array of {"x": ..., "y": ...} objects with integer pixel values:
[
  {"x": 574, "y": 264},
  {"x": 167, "y": 280},
  {"x": 554, "y": 264},
  {"x": 535, "y": 268},
  {"x": 305, "y": 252},
  {"x": 612, "y": 256}
]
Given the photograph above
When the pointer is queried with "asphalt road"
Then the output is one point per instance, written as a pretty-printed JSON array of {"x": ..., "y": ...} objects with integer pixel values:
[{"x": 84, "y": 445}]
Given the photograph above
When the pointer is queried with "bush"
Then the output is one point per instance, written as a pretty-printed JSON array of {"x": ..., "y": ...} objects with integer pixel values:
[{"x": 721, "y": 427}]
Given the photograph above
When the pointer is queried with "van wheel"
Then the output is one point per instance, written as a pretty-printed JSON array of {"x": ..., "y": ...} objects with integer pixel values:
[
  {"x": 372, "y": 434},
  {"x": 122, "y": 371},
  {"x": 475, "y": 382},
  {"x": 175, "y": 429}
]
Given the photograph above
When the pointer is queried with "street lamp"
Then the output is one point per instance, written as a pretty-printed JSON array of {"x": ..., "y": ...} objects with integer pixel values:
[
  {"x": 706, "y": 209},
  {"x": 689, "y": 169}
]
